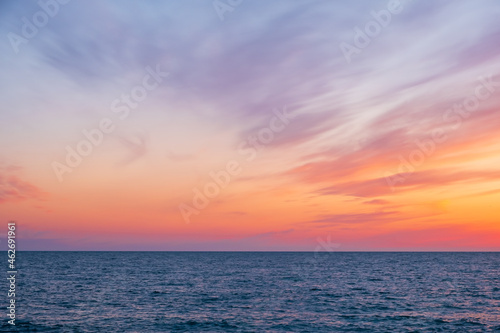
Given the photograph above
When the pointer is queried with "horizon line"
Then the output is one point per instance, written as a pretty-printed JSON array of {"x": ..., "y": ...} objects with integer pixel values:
[{"x": 275, "y": 251}]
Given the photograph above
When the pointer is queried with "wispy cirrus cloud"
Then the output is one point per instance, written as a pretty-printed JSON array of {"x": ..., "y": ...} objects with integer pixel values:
[
  {"x": 14, "y": 188},
  {"x": 377, "y": 202},
  {"x": 422, "y": 180},
  {"x": 355, "y": 218}
]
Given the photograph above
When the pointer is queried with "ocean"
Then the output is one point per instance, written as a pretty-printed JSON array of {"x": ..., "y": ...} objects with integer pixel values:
[{"x": 255, "y": 292}]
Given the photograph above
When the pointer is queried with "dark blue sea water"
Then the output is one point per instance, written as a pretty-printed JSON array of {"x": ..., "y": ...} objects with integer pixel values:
[{"x": 255, "y": 292}]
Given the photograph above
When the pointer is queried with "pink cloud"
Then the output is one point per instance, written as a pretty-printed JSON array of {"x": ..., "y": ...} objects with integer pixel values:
[
  {"x": 13, "y": 188},
  {"x": 409, "y": 182}
]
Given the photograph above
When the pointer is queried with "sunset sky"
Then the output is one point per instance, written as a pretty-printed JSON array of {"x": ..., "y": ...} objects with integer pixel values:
[{"x": 251, "y": 125}]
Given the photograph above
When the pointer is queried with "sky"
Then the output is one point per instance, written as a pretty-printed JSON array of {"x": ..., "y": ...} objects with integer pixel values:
[{"x": 231, "y": 125}]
